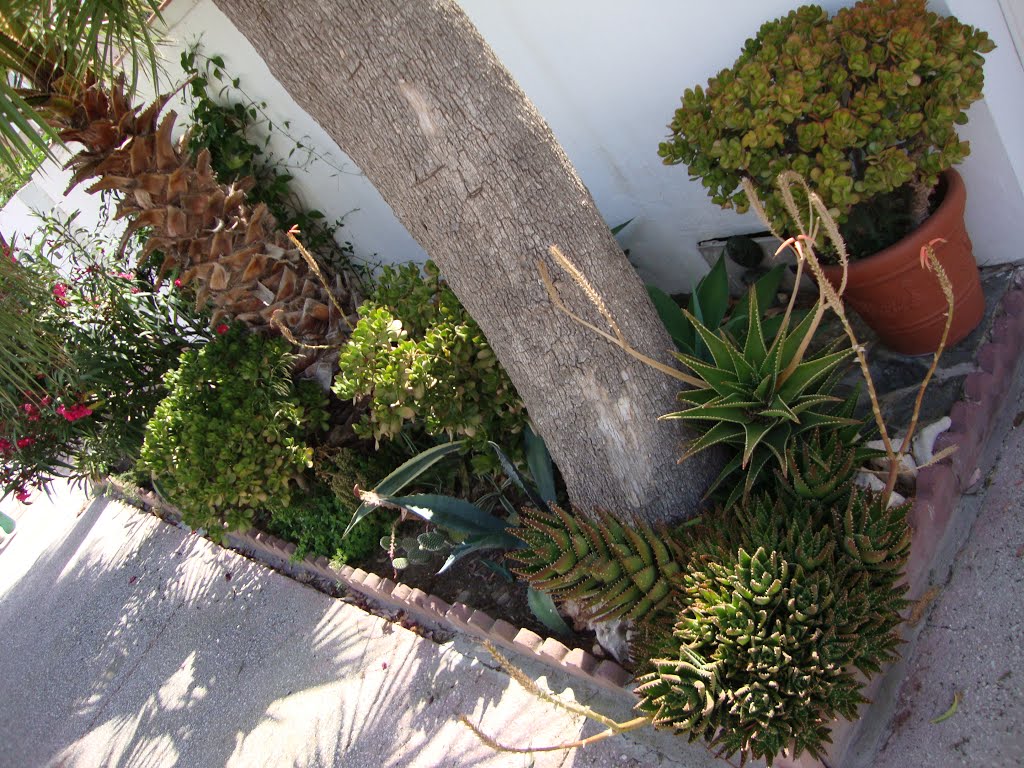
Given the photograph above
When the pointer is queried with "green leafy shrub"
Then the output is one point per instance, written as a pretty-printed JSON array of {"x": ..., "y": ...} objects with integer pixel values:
[
  {"x": 780, "y": 605},
  {"x": 864, "y": 105},
  {"x": 316, "y": 522},
  {"x": 84, "y": 374},
  {"x": 231, "y": 436},
  {"x": 417, "y": 357}
]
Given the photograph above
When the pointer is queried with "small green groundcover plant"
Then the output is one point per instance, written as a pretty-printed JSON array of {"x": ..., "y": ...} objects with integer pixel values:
[
  {"x": 417, "y": 358},
  {"x": 232, "y": 436}
]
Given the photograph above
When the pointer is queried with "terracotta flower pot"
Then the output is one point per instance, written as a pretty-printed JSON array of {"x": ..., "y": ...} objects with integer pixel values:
[{"x": 902, "y": 302}]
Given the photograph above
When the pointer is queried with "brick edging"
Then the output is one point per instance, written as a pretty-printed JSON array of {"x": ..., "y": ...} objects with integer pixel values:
[
  {"x": 428, "y": 609},
  {"x": 940, "y": 486}
]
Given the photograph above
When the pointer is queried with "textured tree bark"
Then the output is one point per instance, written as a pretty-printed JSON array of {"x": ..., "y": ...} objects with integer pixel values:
[{"x": 418, "y": 100}]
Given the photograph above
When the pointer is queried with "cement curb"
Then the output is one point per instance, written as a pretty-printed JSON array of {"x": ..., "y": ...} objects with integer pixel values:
[{"x": 939, "y": 488}]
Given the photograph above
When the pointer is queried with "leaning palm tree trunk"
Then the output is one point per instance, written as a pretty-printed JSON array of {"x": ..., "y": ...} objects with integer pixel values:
[{"x": 233, "y": 254}]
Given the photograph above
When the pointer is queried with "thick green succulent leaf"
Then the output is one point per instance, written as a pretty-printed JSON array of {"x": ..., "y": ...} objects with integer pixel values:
[
  {"x": 448, "y": 512},
  {"x": 478, "y": 542},
  {"x": 718, "y": 346},
  {"x": 541, "y": 467},
  {"x": 811, "y": 371},
  {"x": 405, "y": 474},
  {"x": 711, "y": 296},
  {"x": 672, "y": 318},
  {"x": 723, "y": 432},
  {"x": 754, "y": 349},
  {"x": 544, "y": 610}
]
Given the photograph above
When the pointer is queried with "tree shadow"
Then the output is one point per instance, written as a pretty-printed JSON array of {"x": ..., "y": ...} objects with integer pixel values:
[{"x": 131, "y": 642}]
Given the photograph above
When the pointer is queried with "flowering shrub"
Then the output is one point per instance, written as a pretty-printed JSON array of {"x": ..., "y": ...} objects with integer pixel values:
[
  {"x": 231, "y": 436},
  {"x": 83, "y": 401}
]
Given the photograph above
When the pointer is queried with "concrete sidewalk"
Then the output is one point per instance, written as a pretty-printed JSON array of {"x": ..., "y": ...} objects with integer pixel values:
[
  {"x": 127, "y": 642},
  {"x": 972, "y": 642}
]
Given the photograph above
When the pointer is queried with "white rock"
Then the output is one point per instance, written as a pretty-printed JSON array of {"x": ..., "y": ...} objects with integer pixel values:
[
  {"x": 874, "y": 482},
  {"x": 923, "y": 444}
]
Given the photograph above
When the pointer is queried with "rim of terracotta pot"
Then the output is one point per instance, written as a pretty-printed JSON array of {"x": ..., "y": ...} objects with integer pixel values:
[{"x": 883, "y": 265}]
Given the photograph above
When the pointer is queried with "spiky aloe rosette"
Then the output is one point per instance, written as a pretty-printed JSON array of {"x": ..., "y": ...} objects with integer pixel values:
[
  {"x": 610, "y": 570},
  {"x": 757, "y": 399},
  {"x": 781, "y": 603}
]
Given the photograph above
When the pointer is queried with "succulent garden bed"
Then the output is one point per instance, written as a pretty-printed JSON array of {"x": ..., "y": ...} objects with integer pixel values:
[{"x": 256, "y": 388}]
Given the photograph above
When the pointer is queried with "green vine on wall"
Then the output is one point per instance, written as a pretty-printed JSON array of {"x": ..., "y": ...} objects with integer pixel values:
[{"x": 237, "y": 131}]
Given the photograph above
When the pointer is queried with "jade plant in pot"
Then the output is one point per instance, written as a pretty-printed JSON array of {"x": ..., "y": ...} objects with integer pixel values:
[{"x": 864, "y": 104}]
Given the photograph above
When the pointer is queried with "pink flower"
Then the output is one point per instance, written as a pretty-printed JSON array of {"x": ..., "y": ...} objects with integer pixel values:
[
  {"x": 32, "y": 411},
  {"x": 46, "y": 400},
  {"x": 126, "y": 275},
  {"x": 222, "y": 328},
  {"x": 22, "y": 494},
  {"x": 75, "y": 412},
  {"x": 60, "y": 291},
  {"x": 25, "y": 442},
  {"x": 177, "y": 282},
  {"x": 5, "y": 445}
]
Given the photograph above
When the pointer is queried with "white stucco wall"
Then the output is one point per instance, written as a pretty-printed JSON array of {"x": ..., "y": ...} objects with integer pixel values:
[{"x": 607, "y": 76}]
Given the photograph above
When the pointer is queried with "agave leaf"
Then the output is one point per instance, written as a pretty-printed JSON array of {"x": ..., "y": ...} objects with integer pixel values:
[
  {"x": 448, "y": 512},
  {"x": 6, "y": 524},
  {"x": 517, "y": 477},
  {"x": 543, "y": 608},
  {"x": 672, "y": 318},
  {"x": 404, "y": 475},
  {"x": 541, "y": 467},
  {"x": 478, "y": 542}
]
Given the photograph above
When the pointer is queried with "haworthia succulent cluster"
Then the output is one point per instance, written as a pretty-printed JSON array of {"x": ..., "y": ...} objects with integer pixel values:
[{"x": 781, "y": 603}]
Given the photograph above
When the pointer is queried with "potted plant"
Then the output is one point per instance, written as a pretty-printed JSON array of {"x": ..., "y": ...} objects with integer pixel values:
[{"x": 864, "y": 104}]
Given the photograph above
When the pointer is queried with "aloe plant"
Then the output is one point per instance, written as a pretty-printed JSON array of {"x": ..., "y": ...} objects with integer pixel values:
[
  {"x": 710, "y": 304},
  {"x": 612, "y": 571},
  {"x": 760, "y": 397}
]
